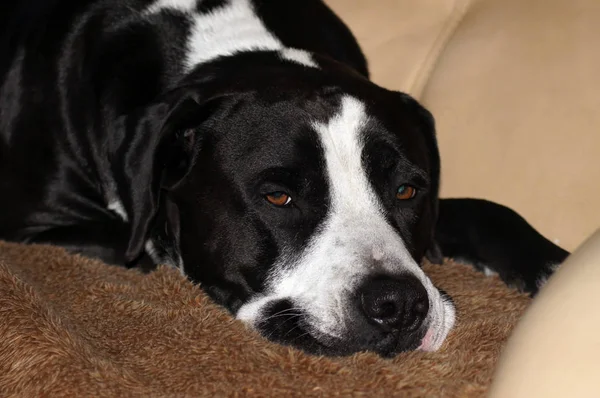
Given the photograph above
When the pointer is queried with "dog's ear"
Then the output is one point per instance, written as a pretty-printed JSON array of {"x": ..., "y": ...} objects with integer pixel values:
[
  {"x": 434, "y": 254},
  {"x": 426, "y": 124},
  {"x": 160, "y": 143}
]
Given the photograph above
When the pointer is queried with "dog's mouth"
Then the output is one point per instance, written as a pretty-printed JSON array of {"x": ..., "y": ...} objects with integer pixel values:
[
  {"x": 440, "y": 325},
  {"x": 283, "y": 323},
  {"x": 286, "y": 324}
]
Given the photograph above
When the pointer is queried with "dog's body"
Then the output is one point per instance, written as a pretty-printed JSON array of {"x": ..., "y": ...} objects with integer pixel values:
[{"x": 241, "y": 141}]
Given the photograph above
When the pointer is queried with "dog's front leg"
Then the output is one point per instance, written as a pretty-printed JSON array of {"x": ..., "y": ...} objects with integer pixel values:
[
  {"x": 496, "y": 240},
  {"x": 103, "y": 241}
]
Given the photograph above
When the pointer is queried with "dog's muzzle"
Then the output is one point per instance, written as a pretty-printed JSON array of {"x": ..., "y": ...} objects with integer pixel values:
[{"x": 383, "y": 314}]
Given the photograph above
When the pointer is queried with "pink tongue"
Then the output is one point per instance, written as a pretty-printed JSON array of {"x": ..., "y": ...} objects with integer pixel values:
[{"x": 426, "y": 342}]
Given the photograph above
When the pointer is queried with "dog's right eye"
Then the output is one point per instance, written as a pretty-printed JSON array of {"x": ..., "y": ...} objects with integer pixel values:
[
  {"x": 278, "y": 198},
  {"x": 406, "y": 192}
]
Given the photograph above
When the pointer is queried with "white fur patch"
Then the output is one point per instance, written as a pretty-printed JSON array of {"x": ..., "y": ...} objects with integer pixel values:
[
  {"x": 543, "y": 279},
  {"x": 117, "y": 207},
  {"x": 179, "y": 5},
  {"x": 151, "y": 251},
  {"x": 227, "y": 30},
  {"x": 354, "y": 233},
  {"x": 298, "y": 56},
  {"x": 489, "y": 272}
]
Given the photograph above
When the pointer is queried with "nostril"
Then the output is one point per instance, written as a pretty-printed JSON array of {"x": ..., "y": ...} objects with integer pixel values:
[
  {"x": 381, "y": 308},
  {"x": 417, "y": 315},
  {"x": 421, "y": 307},
  {"x": 387, "y": 310}
]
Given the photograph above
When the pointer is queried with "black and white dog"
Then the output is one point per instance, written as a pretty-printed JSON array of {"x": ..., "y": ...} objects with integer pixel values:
[{"x": 242, "y": 142}]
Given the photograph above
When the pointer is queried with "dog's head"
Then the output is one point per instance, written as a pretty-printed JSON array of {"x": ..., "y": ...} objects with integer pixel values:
[{"x": 303, "y": 200}]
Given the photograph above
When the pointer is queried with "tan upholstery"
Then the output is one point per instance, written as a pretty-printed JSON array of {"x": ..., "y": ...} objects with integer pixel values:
[
  {"x": 514, "y": 86},
  {"x": 554, "y": 350}
]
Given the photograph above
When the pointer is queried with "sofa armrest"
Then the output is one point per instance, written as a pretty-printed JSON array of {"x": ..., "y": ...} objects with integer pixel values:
[{"x": 554, "y": 350}]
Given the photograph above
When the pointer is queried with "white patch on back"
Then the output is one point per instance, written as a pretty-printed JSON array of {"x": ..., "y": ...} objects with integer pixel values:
[
  {"x": 298, "y": 56},
  {"x": 354, "y": 241},
  {"x": 179, "y": 5},
  {"x": 489, "y": 272},
  {"x": 227, "y": 30}
]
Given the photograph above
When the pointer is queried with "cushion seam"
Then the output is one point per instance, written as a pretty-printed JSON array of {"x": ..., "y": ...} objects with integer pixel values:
[{"x": 425, "y": 70}]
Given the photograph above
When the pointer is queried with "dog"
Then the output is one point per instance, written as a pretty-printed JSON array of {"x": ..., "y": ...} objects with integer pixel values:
[{"x": 242, "y": 142}]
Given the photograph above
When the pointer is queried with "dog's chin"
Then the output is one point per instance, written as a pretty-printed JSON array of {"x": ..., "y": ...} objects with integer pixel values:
[
  {"x": 285, "y": 324},
  {"x": 282, "y": 323}
]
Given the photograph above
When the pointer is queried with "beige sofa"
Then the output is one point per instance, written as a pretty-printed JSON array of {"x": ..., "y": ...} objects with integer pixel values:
[
  {"x": 514, "y": 86},
  {"x": 553, "y": 351},
  {"x": 515, "y": 89}
]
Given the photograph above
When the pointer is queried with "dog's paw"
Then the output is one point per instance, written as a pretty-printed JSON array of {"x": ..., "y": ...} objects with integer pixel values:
[
  {"x": 533, "y": 279},
  {"x": 543, "y": 277}
]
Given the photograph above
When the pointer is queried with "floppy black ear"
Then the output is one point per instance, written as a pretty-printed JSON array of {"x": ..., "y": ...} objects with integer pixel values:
[{"x": 160, "y": 143}]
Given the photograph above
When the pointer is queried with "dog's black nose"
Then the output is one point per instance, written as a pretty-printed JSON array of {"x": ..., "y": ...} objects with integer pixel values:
[{"x": 395, "y": 304}]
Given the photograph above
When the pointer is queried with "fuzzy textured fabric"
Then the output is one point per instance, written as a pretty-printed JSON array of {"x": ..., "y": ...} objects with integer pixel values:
[{"x": 71, "y": 326}]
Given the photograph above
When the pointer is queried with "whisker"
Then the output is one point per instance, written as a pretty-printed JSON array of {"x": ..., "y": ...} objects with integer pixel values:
[
  {"x": 287, "y": 311},
  {"x": 292, "y": 329},
  {"x": 290, "y": 318},
  {"x": 291, "y": 315}
]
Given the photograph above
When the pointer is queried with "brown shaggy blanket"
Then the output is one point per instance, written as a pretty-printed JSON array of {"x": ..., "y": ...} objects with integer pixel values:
[{"x": 71, "y": 326}]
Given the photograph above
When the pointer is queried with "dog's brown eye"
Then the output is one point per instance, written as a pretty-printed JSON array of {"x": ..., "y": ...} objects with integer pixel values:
[
  {"x": 405, "y": 192},
  {"x": 279, "y": 198}
]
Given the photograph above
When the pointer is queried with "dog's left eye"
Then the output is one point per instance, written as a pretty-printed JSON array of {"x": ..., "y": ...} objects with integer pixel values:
[
  {"x": 278, "y": 198},
  {"x": 405, "y": 192}
]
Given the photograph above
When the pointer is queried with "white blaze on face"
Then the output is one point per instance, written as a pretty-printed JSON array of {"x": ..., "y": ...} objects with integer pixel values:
[{"x": 354, "y": 241}]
